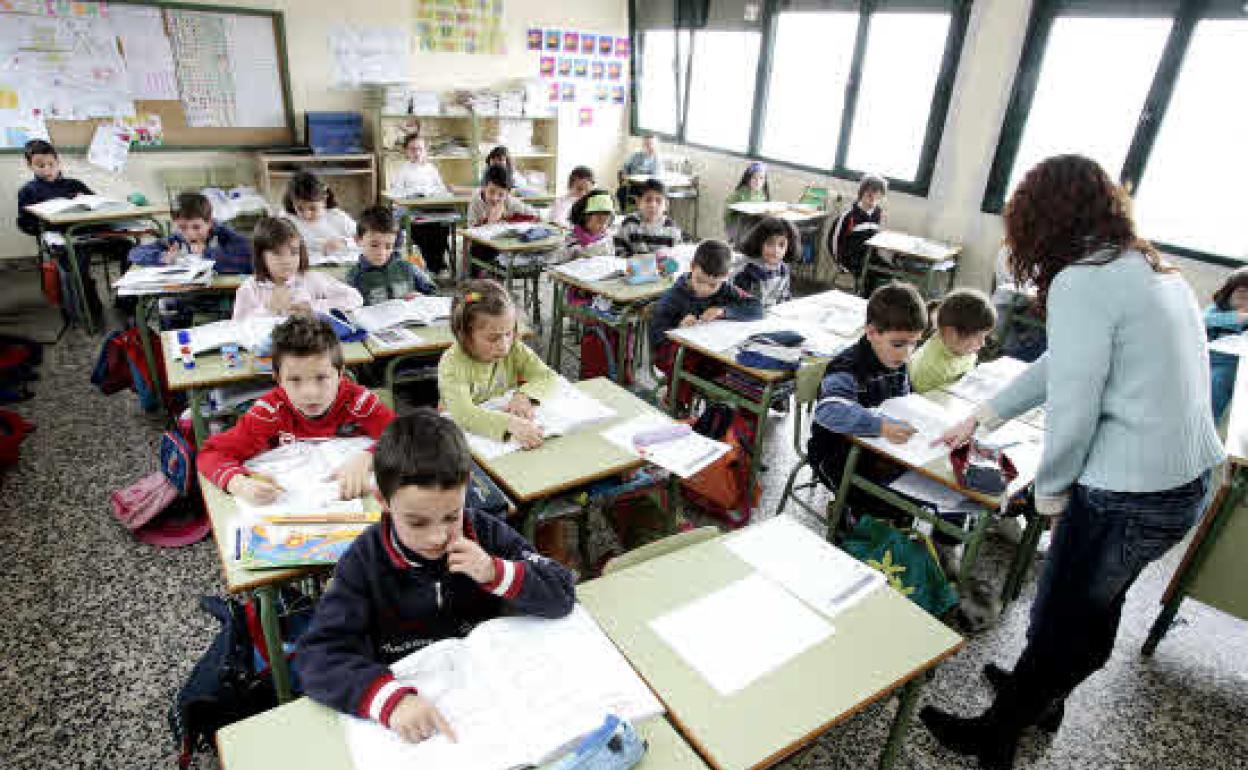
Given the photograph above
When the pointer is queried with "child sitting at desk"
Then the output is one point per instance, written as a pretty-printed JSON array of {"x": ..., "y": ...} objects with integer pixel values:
[
  {"x": 311, "y": 206},
  {"x": 591, "y": 219},
  {"x": 703, "y": 294},
  {"x": 382, "y": 274},
  {"x": 753, "y": 188},
  {"x": 494, "y": 203},
  {"x": 649, "y": 228},
  {"x": 196, "y": 233},
  {"x": 861, "y": 378},
  {"x": 418, "y": 178},
  {"x": 767, "y": 247},
  {"x": 1227, "y": 315},
  {"x": 48, "y": 184},
  {"x": 964, "y": 320},
  {"x": 580, "y": 182},
  {"x": 312, "y": 400},
  {"x": 643, "y": 162},
  {"x": 487, "y": 360},
  {"x": 847, "y": 241},
  {"x": 282, "y": 283},
  {"x": 431, "y": 569}
]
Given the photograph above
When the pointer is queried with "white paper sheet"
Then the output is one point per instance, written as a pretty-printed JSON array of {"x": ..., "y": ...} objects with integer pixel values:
[
  {"x": 832, "y": 311},
  {"x": 149, "y": 58},
  {"x": 945, "y": 499},
  {"x": 721, "y": 336},
  {"x": 805, "y": 564},
  {"x": 362, "y": 54},
  {"x": 250, "y": 333},
  {"x": 396, "y": 312},
  {"x": 738, "y": 634},
  {"x": 565, "y": 411},
  {"x": 929, "y": 420},
  {"x": 258, "y": 99},
  {"x": 1232, "y": 345},
  {"x": 684, "y": 456},
  {"x": 988, "y": 379},
  {"x": 304, "y": 469},
  {"x": 594, "y": 268}
]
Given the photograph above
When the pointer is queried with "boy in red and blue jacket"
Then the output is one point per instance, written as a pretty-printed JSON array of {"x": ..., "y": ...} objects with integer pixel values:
[
  {"x": 429, "y": 570},
  {"x": 312, "y": 400},
  {"x": 197, "y": 233}
]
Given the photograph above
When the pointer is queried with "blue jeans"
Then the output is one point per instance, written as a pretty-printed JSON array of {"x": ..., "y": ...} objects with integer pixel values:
[
  {"x": 1222, "y": 378},
  {"x": 1101, "y": 544}
]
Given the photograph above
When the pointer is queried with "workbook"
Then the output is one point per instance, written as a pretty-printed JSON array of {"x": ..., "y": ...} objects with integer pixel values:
[
  {"x": 276, "y": 546},
  {"x": 564, "y": 411},
  {"x": 594, "y": 268},
  {"x": 672, "y": 446},
  {"x": 929, "y": 419},
  {"x": 250, "y": 333},
  {"x": 517, "y": 691},
  {"x": 78, "y": 203},
  {"x": 419, "y": 311},
  {"x": 988, "y": 379},
  {"x": 188, "y": 271}
]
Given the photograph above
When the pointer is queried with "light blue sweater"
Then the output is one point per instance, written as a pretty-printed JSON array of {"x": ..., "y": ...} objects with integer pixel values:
[{"x": 1125, "y": 380}]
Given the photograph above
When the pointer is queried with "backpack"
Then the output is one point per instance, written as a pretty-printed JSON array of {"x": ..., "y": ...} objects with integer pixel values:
[
  {"x": 121, "y": 364},
  {"x": 13, "y": 431},
  {"x": 18, "y": 358},
  {"x": 719, "y": 488},
  {"x": 159, "y": 508},
  {"x": 907, "y": 560},
  {"x": 598, "y": 347}
]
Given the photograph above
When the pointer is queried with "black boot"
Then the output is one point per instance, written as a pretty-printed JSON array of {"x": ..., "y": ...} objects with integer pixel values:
[
  {"x": 982, "y": 737},
  {"x": 1050, "y": 719}
]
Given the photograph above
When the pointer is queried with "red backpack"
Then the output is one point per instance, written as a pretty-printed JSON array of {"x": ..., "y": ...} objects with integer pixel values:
[
  {"x": 719, "y": 488},
  {"x": 13, "y": 431},
  {"x": 598, "y": 347}
]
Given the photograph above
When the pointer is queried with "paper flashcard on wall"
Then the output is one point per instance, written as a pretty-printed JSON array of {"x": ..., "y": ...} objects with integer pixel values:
[
  {"x": 109, "y": 147},
  {"x": 618, "y": 94},
  {"x": 602, "y": 94},
  {"x": 552, "y": 40},
  {"x": 534, "y": 39},
  {"x": 571, "y": 42},
  {"x": 615, "y": 70},
  {"x": 606, "y": 44},
  {"x": 582, "y": 68},
  {"x": 585, "y": 116},
  {"x": 565, "y": 68},
  {"x": 554, "y": 92},
  {"x": 548, "y": 66},
  {"x": 567, "y": 92},
  {"x": 621, "y": 47},
  {"x": 589, "y": 43},
  {"x": 599, "y": 70}
]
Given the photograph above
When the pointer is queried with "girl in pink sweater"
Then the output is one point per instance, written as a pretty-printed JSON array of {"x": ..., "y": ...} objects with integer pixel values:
[{"x": 282, "y": 284}]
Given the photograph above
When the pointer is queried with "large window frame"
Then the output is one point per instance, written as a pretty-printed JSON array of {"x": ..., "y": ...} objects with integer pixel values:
[
  {"x": 959, "y": 11},
  {"x": 1185, "y": 15}
]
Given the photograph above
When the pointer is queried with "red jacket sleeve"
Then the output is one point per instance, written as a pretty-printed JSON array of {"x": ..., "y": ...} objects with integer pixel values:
[
  {"x": 223, "y": 455},
  {"x": 364, "y": 407}
]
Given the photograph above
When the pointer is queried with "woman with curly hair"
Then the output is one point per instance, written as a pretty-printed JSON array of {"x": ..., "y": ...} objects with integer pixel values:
[{"x": 1129, "y": 436}]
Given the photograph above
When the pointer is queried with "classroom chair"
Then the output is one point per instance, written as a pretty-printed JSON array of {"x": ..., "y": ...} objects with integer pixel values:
[
  {"x": 805, "y": 394},
  {"x": 669, "y": 544}
]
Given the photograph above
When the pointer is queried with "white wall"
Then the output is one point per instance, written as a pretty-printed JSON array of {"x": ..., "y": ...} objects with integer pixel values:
[
  {"x": 951, "y": 210},
  {"x": 307, "y": 26}
]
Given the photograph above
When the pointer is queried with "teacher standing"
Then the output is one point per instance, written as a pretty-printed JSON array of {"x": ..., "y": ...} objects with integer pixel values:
[{"x": 1129, "y": 438}]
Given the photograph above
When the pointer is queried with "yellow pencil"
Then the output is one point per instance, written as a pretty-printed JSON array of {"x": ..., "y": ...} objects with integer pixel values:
[{"x": 329, "y": 517}]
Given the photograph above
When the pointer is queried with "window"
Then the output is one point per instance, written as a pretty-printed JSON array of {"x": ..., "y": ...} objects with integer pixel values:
[
  {"x": 656, "y": 76},
  {"x": 1155, "y": 109},
  {"x": 1190, "y": 193},
  {"x": 721, "y": 88},
  {"x": 838, "y": 86},
  {"x": 803, "y": 124},
  {"x": 890, "y": 124}
]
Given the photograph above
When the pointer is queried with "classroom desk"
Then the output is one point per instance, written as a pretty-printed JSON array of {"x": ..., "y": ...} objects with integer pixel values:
[
  {"x": 1026, "y": 458},
  {"x": 309, "y": 736},
  {"x": 71, "y": 222},
  {"x": 434, "y": 339},
  {"x": 413, "y": 208},
  {"x": 798, "y": 214},
  {"x": 629, "y": 299},
  {"x": 680, "y": 187},
  {"x": 531, "y": 477},
  {"x": 264, "y": 584},
  {"x": 881, "y": 645},
  {"x": 512, "y": 245},
  {"x": 1213, "y": 570},
  {"x": 210, "y": 372},
  {"x": 923, "y": 260}
]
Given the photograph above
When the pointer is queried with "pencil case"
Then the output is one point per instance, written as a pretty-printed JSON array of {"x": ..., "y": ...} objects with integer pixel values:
[
  {"x": 614, "y": 746},
  {"x": 661, "y": 435}
]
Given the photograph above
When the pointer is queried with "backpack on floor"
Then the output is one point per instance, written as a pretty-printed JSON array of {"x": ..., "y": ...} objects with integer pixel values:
[
  {"x": 13, "y": 431},
  {"x": 598, "y": 346},
  {"x": 19, "y": 357},
  {"x": 720, "y": 488},
  {"x": 907, "y": 560},
  {"x": 159, "y": 508},
  {"x": 121, "y": 364}
]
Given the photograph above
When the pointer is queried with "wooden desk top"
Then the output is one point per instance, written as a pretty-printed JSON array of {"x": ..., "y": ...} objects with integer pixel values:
[
  {"x": 513, "y": 244},
  {"x": 878, "y": 645},
  {"x": 617, "y": 289},
  {"x": 567, "y": 462},
  {"x": 914, "y": 246},
  {"x": 728, "y": 358},
  {"x": 309, "y": 736},
  {"x": 792, "y": 212},
  {"x": 67, "y": 218},
  {"x": 210, "y": 370}
]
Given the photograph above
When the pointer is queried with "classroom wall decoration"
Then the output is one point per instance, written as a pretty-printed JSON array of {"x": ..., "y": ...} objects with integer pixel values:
[
  {"x": 601, "y": 59},
  {"x": 368, "y": 54},
  {"x": 462, "y": 26}
]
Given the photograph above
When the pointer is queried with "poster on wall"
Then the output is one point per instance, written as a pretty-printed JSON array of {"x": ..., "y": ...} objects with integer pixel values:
[
  {"x": 571, "y": 42},
  {"x": 615, "y": 70},
  {"x": 585, "y": 117},
  {"x": 621, "y": 47},
  {"x": 599, "y": 61},
  {"x": 589, "y": 44},
  {"x": 605, "y": 45},
  {"x": 534, "y": 38},
  {"x": 552, "y": 40},
  {"x": 554, "y": 92},
  {"x": 460, "y": 26},
  {"x": 582, "y": 67},
  {"x": 548, "y": 66},
  {"x": 567, "y": 92},
  {"x": 598, "y": 69}
]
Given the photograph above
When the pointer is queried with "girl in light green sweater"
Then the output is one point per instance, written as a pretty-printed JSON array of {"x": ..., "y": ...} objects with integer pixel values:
[
  {"x": 487, "y": 360},
  {"x": 753, "y": 188}
]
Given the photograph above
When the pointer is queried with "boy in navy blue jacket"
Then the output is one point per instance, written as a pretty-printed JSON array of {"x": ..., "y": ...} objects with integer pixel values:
[
  {"x": 861, "y": 378},
  {"x": 430, "y": 570},
  {"x": 196, "y": 233}
]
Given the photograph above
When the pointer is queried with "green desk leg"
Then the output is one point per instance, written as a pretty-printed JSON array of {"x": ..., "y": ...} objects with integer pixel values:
[
  {"x": 84, "y": 307},
  {"x": 1023, "y": 557},
  {"x": 908, "y": 702},
  {"x": 198, "y": 423},
  {"x": 554, "y": 356},
  {"x": 142, "y": 319},
  {"x": 842, "y": 492},
  {"x": 1239, "y": 487},
  {"x": 266, "y": 597},
  {"x": 677, "y": 365},
  {"x": 973, "y": 543},
  {"x": 760, "y": 430}
]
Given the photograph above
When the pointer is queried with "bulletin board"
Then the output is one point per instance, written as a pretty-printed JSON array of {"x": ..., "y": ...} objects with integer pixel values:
[{"x": 198, "y": 76}]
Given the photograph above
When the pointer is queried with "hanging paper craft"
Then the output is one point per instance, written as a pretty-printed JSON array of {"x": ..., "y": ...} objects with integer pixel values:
[
  {"x": 621, "y": 47},
  {"x": 614, "y": 70},
  {"x": 582, "y": 67},
  {"x": 618, "y": 94},
  {"x": 605, "y": 45},
  {"x": 554, "y": 92},
  {"x": 548, "y": 66},
  {"x": 552, "y": 40},
  {"x": 589, "y": 43},
  {"x": 567, "y": 92},
  {"x": 598, "y": 69},
  {"x": 571, "y": 42},
  {"x": 535, "y": 39},
  {"x": 585, "y": 116},
  {"x": 565, "y": 68}
]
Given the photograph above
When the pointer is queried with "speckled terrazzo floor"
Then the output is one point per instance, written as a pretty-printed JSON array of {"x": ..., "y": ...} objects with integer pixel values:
[{"x": 97, "y": 631}]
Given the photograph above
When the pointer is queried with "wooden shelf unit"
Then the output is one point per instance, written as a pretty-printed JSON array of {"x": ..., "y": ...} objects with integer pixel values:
[{"x": 353, "y": 178}]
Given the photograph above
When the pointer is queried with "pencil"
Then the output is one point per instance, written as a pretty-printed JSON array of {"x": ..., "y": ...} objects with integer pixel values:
[{"x": 328, "y": 517}]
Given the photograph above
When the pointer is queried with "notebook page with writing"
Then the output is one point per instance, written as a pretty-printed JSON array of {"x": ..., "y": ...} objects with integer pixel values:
[{"x": 929, "y": 420}]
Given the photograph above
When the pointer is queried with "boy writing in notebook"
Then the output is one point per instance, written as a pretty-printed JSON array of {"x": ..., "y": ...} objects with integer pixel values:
[
  {"x": 431, "y": 569},
  {"x": 196, "y": 233},
  {"x": 312, "y": 400},
  {"x": 861, "y": 378}
]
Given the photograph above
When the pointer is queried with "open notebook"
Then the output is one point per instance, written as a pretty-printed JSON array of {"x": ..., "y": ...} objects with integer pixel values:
[
  {"x": 564, "y": 411},
  {"x": 78, "y": 203},
  {"x": 517, "y": 691},
  {"x": 929, "y": 419},
  {"x": 149, "y": 280},
  {"x": 250, "y": 333},
  {"x": 420, "y": 311}
]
